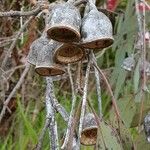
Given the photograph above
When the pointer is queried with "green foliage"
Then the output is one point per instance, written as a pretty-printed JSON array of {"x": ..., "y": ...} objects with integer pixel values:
[
  {"x": 108, "y": 138},
  {"x": 141, "y": 143},
  {"x": 124, "y": 44}
]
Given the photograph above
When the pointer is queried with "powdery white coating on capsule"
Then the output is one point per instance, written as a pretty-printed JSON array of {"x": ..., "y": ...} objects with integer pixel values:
[
  {"x": 36, "y": 47},
  {"x": 89, "y": 132},
  {"x": 147, "y": 126},
  {"x": 96, "y": 30},
  {"x": 64, "y": 23},
  {"x": 45, "y": 65}
]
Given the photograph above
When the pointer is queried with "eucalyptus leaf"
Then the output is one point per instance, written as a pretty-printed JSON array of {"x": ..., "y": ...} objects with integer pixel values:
[
  {"x": 123, "y": 132},
  {"x": 120, "y": 82},
  {"x": 130, "y": 110},
  {"x": 125, "y": 136},
  {"x": 108, "y": 138},
  {"x": 146, "y": 109},
  {"x": 127, "y": 109}
]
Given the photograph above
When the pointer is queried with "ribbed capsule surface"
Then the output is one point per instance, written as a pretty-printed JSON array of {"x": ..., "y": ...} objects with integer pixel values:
[{"x": 64, "y": 23}]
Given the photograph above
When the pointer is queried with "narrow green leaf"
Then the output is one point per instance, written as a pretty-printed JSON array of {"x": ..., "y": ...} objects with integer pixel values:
[
  {"x": 127, "y": 109},
  {"x": 30, "y": 130},
  {"x": 108, "y": 138}
]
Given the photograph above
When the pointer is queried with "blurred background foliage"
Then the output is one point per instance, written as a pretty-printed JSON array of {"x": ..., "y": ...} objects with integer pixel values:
[{"x": 20, "y": 129}]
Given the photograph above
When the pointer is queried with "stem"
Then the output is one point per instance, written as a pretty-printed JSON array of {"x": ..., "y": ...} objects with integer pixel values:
[
  {"x": 98, "y": 88},
  {"x": 50, "y": 115},
  {"x": 141, "y": 24},
  {"x": 143, "y": 55},
  {"x": 14, "y": 42},
  {"x": 84, "y": 101},
  {"x": 78, "y": 79},
  {"x": 110, "y": 91},
  {"x": 143, "y": 48},
  {"x": 20, "y": 13},
  {"x": 79, "y": 2},
  {"x": 60, "y": 109},
  {"x": 71, "y": 119},
  {"x": 41, "y": 5}
]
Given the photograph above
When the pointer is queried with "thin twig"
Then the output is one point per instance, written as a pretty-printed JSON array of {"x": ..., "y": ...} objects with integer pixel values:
[
  {"x": 110, "y": 91},
  {"x": 141, "y": 23},
  {"x": 79, "y": 2},
  {"x": 51, "y": 115},
  {"x": 73, "y": 134},
  {"x": 71, "y": 119},
  {"x": 21, "y": 23},
  {"x": 5, "y": 42},
  {"x": 62, "y": 111},
  {"x": 73, "y": 145},
  {"x": 98, "y": 121},
  {"x": 14, "y": 42},
  {"x": 141, "y": 27},
  {"x": 14, "y": 90},
  {"x": 7, "y": 74},
  {"x": 98, "y": 87},
  {"x": 84, "y": 101},
  {"x": 57, "y": 106},
  {"x": 33, "y": 12},
  {"x": 144, "y": 49},
  {"x": 144, "y": 63},
  {"x": 20, "y": 13},
  {"x": 138, "y": 16},
  {"x": 41, "y": 5},
  {"x": 78, "y": 88}
]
